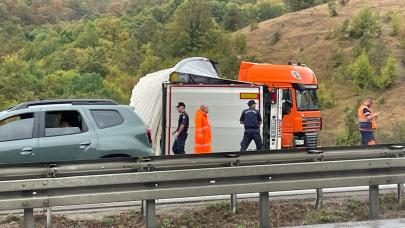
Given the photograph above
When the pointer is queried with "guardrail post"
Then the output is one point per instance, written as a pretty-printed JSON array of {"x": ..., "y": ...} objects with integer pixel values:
[
  {"x": 374, "y": 202},
  {"x": 48, "y": 217},
  {"x": 401, "y": 195},
  {"x": 29, "y": 218},
  {"x": 319, "y": 191},
  {"x": 234, "y": 198},
  {"x": 143, "y": 209},
  {"x": 319, "y": 198},
  {"x": 150, "y": 214},
  {"x": 264, "y": 210},
  {"x": 234, "y": 203}
]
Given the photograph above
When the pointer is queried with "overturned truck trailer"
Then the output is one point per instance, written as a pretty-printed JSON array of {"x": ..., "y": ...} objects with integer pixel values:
[{"x": 195, "y": 81}]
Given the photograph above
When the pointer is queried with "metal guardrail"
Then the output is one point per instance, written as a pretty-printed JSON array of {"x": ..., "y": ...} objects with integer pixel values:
[{"x": 119, "y": 181}]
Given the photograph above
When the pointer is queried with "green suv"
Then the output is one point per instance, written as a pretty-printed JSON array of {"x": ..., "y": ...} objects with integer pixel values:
[{"x": 60, "y": 130}]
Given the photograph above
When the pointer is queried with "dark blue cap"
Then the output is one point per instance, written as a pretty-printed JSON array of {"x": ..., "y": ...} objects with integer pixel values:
[
  {"x": 251, "y": 102},
  {"x": 180, "y": 104}
]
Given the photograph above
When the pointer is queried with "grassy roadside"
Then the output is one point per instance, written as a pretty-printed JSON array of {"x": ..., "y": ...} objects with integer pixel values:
[{"x": 283, "y": 213}]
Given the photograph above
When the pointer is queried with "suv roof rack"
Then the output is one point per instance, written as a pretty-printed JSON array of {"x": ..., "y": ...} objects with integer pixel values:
[{"x": 64, "y": 101}]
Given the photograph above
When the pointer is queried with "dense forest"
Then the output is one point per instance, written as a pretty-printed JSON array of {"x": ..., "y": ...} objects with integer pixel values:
[{"x": 100, "y": 48}]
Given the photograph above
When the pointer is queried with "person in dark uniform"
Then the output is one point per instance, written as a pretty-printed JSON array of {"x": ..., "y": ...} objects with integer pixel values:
[
  {"x": 181, "y": 132},
  {"x": 252, "y": 120}
]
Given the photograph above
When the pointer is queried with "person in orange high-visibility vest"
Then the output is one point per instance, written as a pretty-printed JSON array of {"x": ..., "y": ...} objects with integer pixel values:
[
  {"x": 202, "y": 131},
  {"x": 367, "y": 122}
]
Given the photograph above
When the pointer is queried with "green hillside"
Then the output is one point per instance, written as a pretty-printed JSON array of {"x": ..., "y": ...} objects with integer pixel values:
[
  {"x": 100, "y": 48},
  {"x": 358, "y": 52}
]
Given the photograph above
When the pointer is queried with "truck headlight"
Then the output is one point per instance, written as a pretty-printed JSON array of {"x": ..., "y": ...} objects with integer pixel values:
[{"x": 299, "y": 142}]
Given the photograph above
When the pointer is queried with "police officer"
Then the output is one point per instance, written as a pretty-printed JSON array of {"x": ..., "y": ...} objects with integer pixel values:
[
  {"x": 252, "y": 120},
  {"x": 181, "y": 132}
]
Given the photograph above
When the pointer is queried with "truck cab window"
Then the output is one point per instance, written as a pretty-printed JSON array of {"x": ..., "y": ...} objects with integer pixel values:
[
  {"x": 307, "y": 100},
  {"x": 64, "y": 123},
  {"x": 287, "y": 102},
  {"x": 17, "y": 127}
]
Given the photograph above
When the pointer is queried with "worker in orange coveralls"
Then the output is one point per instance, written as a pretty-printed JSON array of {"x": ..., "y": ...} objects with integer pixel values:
[{"x": 202, "y": 131}]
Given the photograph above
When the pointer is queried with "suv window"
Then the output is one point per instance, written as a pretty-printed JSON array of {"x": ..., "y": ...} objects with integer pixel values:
[
  {"x": 64, "y": 123},
  {"x": 107, "y": 118},
  {"x": 17, "y": 127}
]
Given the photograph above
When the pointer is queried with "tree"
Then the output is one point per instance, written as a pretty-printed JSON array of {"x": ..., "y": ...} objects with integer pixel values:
[
  {"x": 17, "y": 82},
  {"x": 296, "y": 5},
  {"x": 192, "y": 29},
  {"x": 89, "y": 37},
  {"x": 268, "y": 9},
  {"x": 150, "y": 62},
  {"x": 218, "y": 10},
  {"x": 234, "y": 18},
  {"x": 144, "y": 28},
  {"x": 362, "y": 72},
  {"x": 366, "y": 24}
]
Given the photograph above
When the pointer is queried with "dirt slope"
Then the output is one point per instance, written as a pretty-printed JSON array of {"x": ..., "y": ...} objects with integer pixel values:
[{"x": 307, "y": 36}]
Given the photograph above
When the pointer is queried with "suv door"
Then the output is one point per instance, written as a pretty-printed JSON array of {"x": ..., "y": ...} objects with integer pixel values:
[
  {"x": 18, "y": 138},
  {"x": 65, "y": 135}
]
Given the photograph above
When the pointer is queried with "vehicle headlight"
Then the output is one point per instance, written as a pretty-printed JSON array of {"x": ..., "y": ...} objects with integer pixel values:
[{"x": 299, "y": 142}]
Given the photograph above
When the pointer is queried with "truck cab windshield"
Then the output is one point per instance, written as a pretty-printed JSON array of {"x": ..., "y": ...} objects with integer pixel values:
[{"x": 307, "y": 100}]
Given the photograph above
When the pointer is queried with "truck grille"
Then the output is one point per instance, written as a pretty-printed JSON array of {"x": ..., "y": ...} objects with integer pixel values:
[
  {"x": 311, "y": 140},
  {"x": 311, "y": 124}
]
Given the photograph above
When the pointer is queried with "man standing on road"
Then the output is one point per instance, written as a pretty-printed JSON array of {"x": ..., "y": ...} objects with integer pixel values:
[
  {"x": 367, "y": 122},
  {"x": 181, "y": 132},
  {"x": 252, "y": 120},
  {"x": 202, "y": 131}
]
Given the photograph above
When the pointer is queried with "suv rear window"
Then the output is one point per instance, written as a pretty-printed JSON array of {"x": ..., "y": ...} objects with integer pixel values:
[
  {"x": 107, "y": 118},
  {"x": 64, "y": 123},
  {"x": 17, "y": 127}
]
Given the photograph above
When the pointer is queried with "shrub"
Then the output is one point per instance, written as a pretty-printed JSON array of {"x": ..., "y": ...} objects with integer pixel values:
[
  {"x": 343, "y": 2},
  {"x": 253, "y": 26},
  {"x": 343, "y": 31},
  {"x": 337, "y": 58},
  {"x": 276, "y": 37},
  {"x": 351, "y": 135},
  {"x": 332, "y": 8},
  {"x": 378, "y": 55},
  {"x": 362, "y": 73},
  {"x": 395, "y": 23},
  {"x": 388, "y": 74},
  {"x": 366, "y": 24},
  {"x": 238, "y": 42},
  {"x": 326, "y": 97}
]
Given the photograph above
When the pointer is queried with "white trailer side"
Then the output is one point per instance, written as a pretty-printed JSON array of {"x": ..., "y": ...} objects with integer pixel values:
[{"x": 225, "y": 102}]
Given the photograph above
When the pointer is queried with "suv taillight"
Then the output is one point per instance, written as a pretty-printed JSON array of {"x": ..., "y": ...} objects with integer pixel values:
[{"x": 149, "y": 133}]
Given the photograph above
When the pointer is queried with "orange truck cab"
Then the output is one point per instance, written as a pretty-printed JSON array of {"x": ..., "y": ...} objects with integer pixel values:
[{"x": 301, "y": 119}]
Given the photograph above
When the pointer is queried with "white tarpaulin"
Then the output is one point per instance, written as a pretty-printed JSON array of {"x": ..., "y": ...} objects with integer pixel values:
[{"x": 147, "y": 96}]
